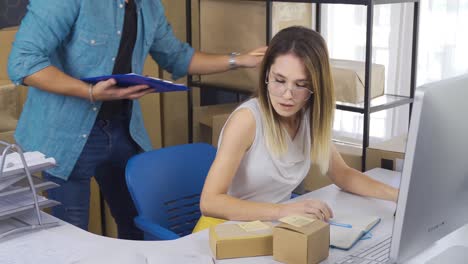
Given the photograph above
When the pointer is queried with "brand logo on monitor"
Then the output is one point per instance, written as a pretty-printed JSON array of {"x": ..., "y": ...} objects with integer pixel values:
[{"x": 432, "y": 228}]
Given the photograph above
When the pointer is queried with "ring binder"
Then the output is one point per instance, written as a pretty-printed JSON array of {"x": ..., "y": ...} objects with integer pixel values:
[{"x": 12, "y": 148}]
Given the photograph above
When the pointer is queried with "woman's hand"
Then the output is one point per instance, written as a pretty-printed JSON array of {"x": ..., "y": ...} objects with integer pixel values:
[
  {"x": 251, "y": 59},
  {"x": 107, "y": 90},
  {"x": 312, "y": 207}
]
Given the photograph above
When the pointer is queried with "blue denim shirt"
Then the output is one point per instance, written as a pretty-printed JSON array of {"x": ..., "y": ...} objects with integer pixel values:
[{"x": 81, "y": 38}]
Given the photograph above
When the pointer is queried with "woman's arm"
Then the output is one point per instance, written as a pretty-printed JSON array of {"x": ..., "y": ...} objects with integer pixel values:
[
  {"x": 238, "y": 136},
  {"x": 356, "y": 182}
]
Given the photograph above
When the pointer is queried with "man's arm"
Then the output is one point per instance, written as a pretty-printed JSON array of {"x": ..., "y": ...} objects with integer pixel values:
[
  {"x": 53, "y": 80},
  {"x": 180, "y": 59},
  {"x": 203, "y": 63},
  {"x": 45, "y": 26}
]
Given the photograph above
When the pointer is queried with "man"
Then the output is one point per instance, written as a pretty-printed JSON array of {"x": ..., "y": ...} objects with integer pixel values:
[{"x": 95, "y": 129}]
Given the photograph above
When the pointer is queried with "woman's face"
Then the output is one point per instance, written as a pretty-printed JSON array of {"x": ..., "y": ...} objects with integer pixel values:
[{"x": 288, "y": 85}]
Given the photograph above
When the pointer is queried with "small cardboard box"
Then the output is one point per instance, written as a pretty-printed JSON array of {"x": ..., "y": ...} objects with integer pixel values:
[
  {"x": 308, "y": 244},
  {"x": 232, "y": 241},
  {"x": 388, "y": 154},
  {"x": 209, "y": 120}
]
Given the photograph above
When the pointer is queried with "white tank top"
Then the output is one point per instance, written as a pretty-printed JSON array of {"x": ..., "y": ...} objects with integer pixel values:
[{"x": 264, "y": 177}]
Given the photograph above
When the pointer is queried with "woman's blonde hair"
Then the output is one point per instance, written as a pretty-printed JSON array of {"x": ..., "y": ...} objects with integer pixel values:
[{"x": 311, "y": 48}]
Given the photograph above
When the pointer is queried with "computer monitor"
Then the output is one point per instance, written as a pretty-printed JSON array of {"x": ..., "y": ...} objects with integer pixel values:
[{"x": 433, "y": 198}]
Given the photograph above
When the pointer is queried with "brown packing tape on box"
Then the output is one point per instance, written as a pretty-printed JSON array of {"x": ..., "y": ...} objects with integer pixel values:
[
  {"x": 387, "y": 154},
  {"x": 308, "y": 244},
  {"x": 231, "y": 241}
]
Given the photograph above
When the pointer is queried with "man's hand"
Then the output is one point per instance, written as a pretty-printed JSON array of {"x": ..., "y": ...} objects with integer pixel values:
[
  {"x": 107, "y": 90},
  {"x": 251, "y": 59}
]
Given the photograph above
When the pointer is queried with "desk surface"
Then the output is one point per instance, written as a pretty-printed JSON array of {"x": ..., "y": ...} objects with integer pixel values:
[{"x": 69, "y": 244}]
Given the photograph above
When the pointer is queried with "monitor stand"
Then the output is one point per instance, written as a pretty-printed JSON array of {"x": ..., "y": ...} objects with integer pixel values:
[{"x": 453, "y": 255}]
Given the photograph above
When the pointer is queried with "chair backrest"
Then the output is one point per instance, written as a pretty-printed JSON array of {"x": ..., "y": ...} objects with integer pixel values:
[{"x": 165, "y": 184}]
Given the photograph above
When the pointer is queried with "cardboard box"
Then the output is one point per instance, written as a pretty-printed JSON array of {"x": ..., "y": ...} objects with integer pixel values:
[
  {"x": 7, "y": 36},
  {"x": 308, "y": 244},
  {"x": 227, "y": 26},
  {"x": 209, "y": 120},
  {"x": 232, "y": 241},
  {"x": 348, "y": 78},
  {"x": 388, "y": 154}
]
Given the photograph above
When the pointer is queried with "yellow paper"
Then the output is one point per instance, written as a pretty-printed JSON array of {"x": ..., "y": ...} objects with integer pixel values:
[
  {"x": 297, "y": 220},
  {"x": 253, "y": 226}
]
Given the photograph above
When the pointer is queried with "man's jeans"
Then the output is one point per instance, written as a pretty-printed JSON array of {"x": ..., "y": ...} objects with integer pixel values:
[{"x": 107, "y": 150}]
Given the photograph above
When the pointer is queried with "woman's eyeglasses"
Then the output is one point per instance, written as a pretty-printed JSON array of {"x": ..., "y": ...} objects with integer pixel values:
[{"x": 279, "y": 88}]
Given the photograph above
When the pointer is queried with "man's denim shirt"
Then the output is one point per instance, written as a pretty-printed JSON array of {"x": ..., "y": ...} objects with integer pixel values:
[{"x": 81, "y": 38}]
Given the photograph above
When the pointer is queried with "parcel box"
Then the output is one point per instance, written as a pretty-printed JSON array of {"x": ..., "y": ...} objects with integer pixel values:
[
  {"x": 233, "y": 241},
  {"x": 348, "y": 77},
  {"x": 7, "y": 36},
  {"x": 307, "y": 244},
  {"x": 387, "y": 154},
  {"x": 209, "y": 120}
]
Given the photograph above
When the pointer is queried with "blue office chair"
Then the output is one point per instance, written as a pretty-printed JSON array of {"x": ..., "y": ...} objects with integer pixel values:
[{"x": 165, "y": 185}]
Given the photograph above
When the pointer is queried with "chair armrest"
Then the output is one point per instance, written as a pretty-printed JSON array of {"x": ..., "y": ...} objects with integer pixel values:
[{"x": 154, "y": 229}]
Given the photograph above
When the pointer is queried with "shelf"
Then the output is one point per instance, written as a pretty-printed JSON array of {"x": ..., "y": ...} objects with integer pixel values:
[
  {"x": 22, "y": 186},
  {"x": 227, "y": 88},
  {"x": 10, "y": 211},
  {"x": 346, "y": 2},
  {"x": 377, "y": 104}
]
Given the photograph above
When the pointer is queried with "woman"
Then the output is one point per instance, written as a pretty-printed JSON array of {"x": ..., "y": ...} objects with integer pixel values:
[{"x": 268, "y": 143}]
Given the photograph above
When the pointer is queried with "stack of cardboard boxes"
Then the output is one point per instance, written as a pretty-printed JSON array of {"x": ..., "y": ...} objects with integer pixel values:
[{"x": 296, "y": 240}]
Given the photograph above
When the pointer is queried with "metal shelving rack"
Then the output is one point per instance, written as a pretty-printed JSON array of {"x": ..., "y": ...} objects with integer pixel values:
[
  {"x": 30, "y": 187},
  {"x": 368, "y": 106}
]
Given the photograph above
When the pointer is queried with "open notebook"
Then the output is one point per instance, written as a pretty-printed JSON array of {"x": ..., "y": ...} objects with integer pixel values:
[{"x": 346, "y": 230}]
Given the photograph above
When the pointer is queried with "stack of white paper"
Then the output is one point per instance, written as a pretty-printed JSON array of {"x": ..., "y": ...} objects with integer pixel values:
[
  {"x": 15, "y": 192},
  {"x": 35, "y": 160}
]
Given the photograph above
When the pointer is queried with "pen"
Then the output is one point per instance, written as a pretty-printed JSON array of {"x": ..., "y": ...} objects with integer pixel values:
[{"x": 339, "y": 224}]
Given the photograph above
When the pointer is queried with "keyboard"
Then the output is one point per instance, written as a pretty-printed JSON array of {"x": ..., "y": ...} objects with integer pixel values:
[{"x": 377, "y": 253}]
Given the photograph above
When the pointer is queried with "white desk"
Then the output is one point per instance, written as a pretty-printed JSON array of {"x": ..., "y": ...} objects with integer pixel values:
[{"x": 69, "y": 244}]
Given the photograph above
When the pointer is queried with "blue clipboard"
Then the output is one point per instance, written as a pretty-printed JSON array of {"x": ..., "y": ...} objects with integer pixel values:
[{"x": 130, "y": 79}]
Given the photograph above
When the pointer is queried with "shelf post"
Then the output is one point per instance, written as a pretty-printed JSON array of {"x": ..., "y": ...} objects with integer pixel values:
[
  {"x": 367, "y": 82},
  {"x": 268, "y": 20},
  {"x": 414, "y": 54},
  {"x": 188, "y": 31}
]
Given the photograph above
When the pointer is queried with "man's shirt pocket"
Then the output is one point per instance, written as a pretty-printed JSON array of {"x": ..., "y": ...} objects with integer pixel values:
[{"x": 87, "y": 48}]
